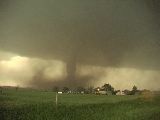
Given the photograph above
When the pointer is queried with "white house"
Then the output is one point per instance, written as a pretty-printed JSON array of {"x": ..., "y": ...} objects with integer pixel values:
[{"x": 59, "y": 92}]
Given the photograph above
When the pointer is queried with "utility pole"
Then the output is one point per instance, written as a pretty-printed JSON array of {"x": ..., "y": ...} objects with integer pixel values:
[{"x": 56, "y": 100}]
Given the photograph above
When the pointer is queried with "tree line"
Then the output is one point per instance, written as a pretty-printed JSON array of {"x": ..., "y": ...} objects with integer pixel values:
[
  {"x": 97, "y": 90},
  {"x": 107, "y": 89}
]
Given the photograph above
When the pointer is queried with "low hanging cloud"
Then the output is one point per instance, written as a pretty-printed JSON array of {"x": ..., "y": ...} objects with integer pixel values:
[
  {"x": 18, "y": 70},
  {"x": 39, "y": 73},
  {"x": 123, "y": 78}
]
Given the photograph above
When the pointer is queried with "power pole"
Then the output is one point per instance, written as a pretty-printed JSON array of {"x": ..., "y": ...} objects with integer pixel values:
[{"x": 56, "y": 101}]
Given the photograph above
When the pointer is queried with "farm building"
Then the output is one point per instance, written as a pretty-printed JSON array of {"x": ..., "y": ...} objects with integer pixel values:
[
  {"x": 102, "y": 92},
  {"x": 59, "y": 92},
  {"x": 119, "y": 93}
]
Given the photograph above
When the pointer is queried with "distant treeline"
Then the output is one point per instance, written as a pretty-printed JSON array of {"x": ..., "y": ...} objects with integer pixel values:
[{"x": 107, "y": 89}]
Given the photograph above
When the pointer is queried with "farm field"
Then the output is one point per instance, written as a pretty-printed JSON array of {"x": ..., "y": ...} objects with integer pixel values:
[{"x": 40, "y": 105}]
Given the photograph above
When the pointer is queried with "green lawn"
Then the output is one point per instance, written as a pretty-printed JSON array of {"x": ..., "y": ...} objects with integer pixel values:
[{"x": 37, "y": 105}]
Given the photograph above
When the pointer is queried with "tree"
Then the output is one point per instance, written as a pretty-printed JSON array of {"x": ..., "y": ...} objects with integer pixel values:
[
  {"x": 65, "y": 89},
  {"x": 127, "y": 92},
  {"x": 134, "y": 90},
  {"x": 115, "y": 92},
  {"x": 108, "y": 87},
  {"x": 80, "y": 89},
  {"x": 90, "y": 90},
  {"x": 1, "y": 90}
]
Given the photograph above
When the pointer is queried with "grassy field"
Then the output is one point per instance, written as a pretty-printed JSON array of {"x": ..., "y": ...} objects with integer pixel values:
[{"x": 38, "y": 105}]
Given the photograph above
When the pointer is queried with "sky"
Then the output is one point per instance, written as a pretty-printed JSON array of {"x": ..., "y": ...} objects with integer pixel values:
[{"x": 44, "y": 43}]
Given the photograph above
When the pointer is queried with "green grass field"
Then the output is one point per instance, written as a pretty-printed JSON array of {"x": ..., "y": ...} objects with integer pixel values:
[{"x": 38, "y": 105}]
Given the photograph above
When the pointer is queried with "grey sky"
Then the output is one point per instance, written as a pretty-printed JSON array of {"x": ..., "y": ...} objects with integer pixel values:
[{"x": 109, "y": 30}]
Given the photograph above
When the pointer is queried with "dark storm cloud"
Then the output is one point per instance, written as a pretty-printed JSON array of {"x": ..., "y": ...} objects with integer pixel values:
[{"x": 114, "y": 33}]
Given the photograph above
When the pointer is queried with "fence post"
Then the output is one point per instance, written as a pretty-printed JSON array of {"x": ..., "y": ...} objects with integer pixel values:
[{"x": 56, "y": 101}]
